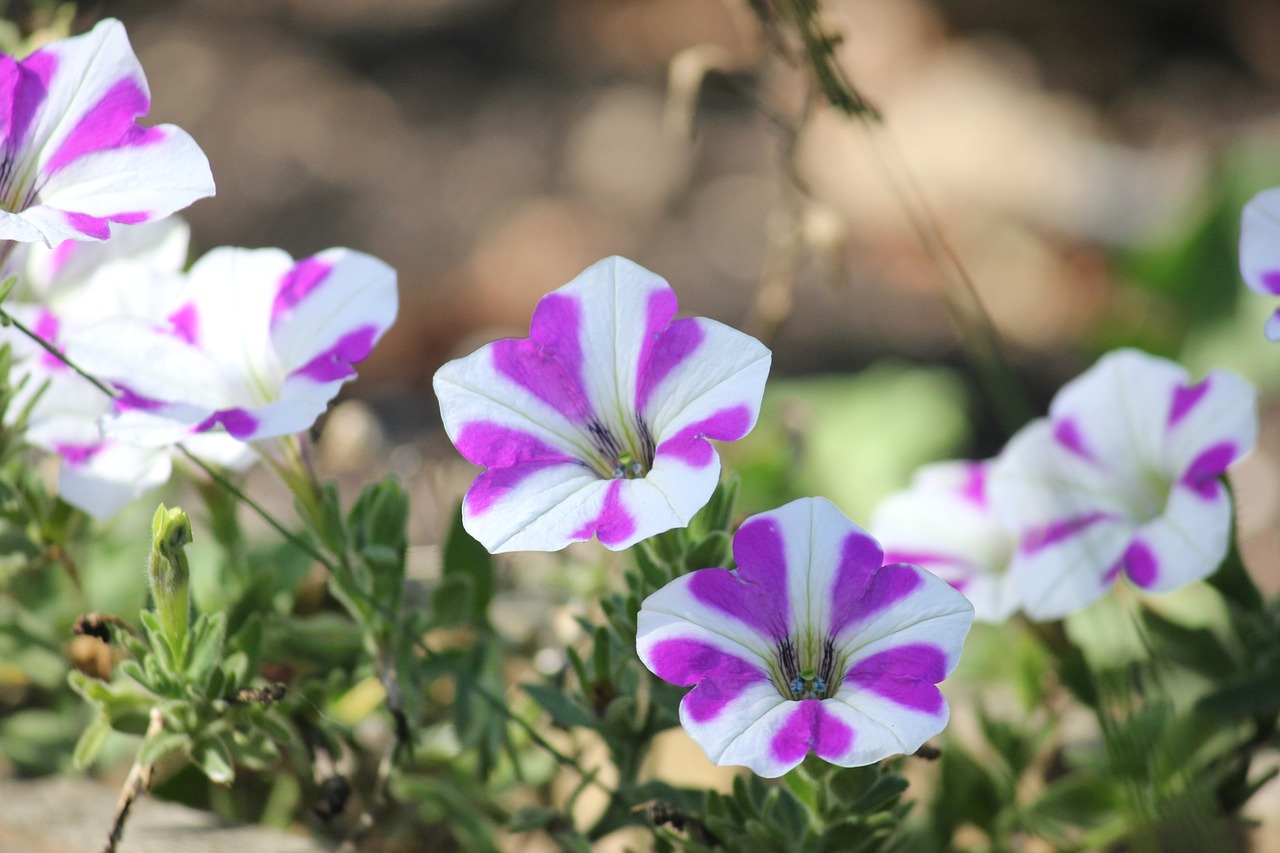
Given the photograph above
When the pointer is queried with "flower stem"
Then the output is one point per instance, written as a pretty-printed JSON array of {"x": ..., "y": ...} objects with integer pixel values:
[{"x": 135, "y": 785}]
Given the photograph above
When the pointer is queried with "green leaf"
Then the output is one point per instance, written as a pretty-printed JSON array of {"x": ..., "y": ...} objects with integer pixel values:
[
  {"x": 530, "y": 818},
  {"x": 211, "y": 754},
  {"x": 715, "y": 550},
  {"x": 1252, "y": 695},
  {"x": 1198, "y": 649},
  {"x": 208, "y": 637},
  {"x": 157, "y": 746},
  {"x": 564, "y": 711},
  {"x": 91, "y": 742},
  {"x": 464, "y": 557}
]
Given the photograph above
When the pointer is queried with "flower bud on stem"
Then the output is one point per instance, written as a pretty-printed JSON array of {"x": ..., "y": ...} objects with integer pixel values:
[{"x": 169, "y": 573}]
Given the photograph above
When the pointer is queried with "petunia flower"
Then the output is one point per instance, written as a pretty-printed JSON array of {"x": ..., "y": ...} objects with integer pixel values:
[
  {"x": 811, "y": 644},
  {"x": 944, "y": 523},
  {"x": 1260, "y": 250},
  {"x": 74, "y": 160},
  {"x": 255, "y": 344},
  {"x": 78, "y": 285},
  {"x": 1123, "y": 478},
  {"x": 597, "y": 423}
]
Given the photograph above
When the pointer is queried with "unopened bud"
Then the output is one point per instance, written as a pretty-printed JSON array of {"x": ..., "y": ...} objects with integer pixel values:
[{"x": 168, "y": 571}]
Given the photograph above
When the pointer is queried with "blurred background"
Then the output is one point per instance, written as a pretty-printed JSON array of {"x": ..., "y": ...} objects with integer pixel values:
[{"x": 1086, "y": 161}]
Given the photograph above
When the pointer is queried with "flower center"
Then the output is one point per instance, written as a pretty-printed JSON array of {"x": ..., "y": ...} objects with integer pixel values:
[
  {"x": 806, "y": 670},
  {"x": 17, "y": 184},
  {"x": 625, "y": 453}
]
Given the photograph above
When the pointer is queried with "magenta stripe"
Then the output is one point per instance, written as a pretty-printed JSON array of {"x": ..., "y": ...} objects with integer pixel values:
[
  {"x": 1202, "y": 475},
  {"x": 680, "y": 341},
  {"x": 494, "y": 484},
  {"x": 78, "y": 454},
  {"x": 811, "y": 726},
  {"x": 924, "y": 559},
  {"x": 96, "y": 227},
  {"x": 239, "y": 423},
  {"x": 689, "y": 444},
  {"x": 1039, "y": 539},
  {"x": 1140, "y": 564},
  {"x": 1271, "y": 281},
  {"x": 857, "y": 596},
  {"x": 297, "y": 284},
  {"x": 720, "y": 677},
  {"x": 905, "y": 675},
  {"x": 127, "y": 399},
  {"x": 755, "y": 594},
  {"x": 186, "y": 323},
  {"x": 1185, "y": 397},
  {"x": 26, "y": 86},
  {"x": 495, "y": 446},
  {"x": 1067, "y": 434},
  {"x": 548, "y": 364},
  {"x": 614, "y": 524},
  {"x": 335, "y": 362},
  {"x": 659, "y": 311},
  {"x": 974, "y": 489},
  {"x": 46, "y": 328},
  {"x": 107, "y": 124}
]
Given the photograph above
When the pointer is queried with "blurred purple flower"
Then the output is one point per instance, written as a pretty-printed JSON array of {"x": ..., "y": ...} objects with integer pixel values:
[
  {"x": 944, "y": 523},
  {"x": 1123, "y": 477}
]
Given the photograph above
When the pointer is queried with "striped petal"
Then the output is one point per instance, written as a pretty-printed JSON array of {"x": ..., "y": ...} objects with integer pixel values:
[{"x": 75, "y": 161}]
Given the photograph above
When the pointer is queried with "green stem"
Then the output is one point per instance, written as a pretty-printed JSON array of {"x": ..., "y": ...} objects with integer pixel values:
[{"x": 8, "y": 319}]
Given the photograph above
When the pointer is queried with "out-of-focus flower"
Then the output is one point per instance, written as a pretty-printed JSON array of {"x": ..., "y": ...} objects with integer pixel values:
[
  {"x": 78, "y": 285},
  {"x": 74, "y": 160},
  {"x": 597, "y": 423},
  {"x": 253, "y": 342},
  {"x": 1123, "y": 477},
  {"x": 1260, "y": 250},
  {"x": 811, "y": 644},
  {"x": 944, "y": 523}
]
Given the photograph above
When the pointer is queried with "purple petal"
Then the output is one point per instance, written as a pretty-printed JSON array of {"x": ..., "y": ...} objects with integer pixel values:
[
  {"x": 808, "y": 727},
  {"x": 614, "y": 523},
  {"x": 46, "y": 328},
  {"x": 1140, "y": 564},
  {"x": 690, "y": 445},
  {"x": 335, "y": 362},
  {"x": 1271, "y": 281},
  {"x": 25, "y": 86},
  {"x": 78, "y": 454},
  {"x": 857, "y": 597},
  {"x": 1203, "y": 472},
  {"x": 302, "y": 278},
  {"x": 107, "y": 124},
  {"x": 974, "y": 489},
  {"x": 185, "y": 322},
  {"x": 756, "y": 593},
  {"x": 1067, "y": 434},
  {"x": 510, "y": 455},
  {"x": 904, "y": 675},
  {"x": 1037, "y": 540},
  {"x": 128, "y": 399},
  {"x": 1185, "y": 398},
  {"x": 680, "y": 341},
  {"x": 548, "y": 364},
  {"x": 238, "y": 422},
  {"x": 720, "y": 677},
  {"x": 97, "y": 227}
]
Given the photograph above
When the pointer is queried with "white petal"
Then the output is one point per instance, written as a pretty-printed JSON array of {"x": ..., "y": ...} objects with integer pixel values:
[
  {"x": 1185, "y": 544},
  {"x": 113, "y": 477},
  {"x": 881, "y": 727},
  {"x": 1260, "y": 242},
  {"x": 359, "y": 292},
  {"x": 1221, "y": 409},
  {"x": 744, "y": 731}
]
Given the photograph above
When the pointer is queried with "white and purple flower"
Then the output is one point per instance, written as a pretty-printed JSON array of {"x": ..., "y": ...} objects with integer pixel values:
[
  {"x": 944, "y": 523},
  {"x": 74, "y": 287},
  {"x": 597, "y": 423},
  {"x": 1123, "y": 478},
  {"x": 73, "y": 158},
  {"x": 255, "y": 344},
  {"x": 1260, "y": 250},
  {"x": 811, "y": 644}
]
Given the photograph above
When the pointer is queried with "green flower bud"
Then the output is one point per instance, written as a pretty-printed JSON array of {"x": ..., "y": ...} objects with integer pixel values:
[{"x": 169, "y": 572}]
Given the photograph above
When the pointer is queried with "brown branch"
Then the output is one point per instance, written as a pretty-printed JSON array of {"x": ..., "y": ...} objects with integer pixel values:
[{"x": 135, "y": 785}]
